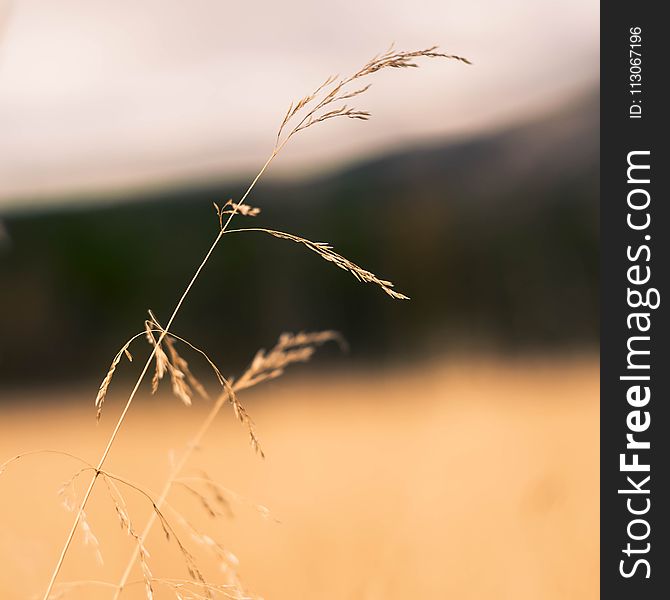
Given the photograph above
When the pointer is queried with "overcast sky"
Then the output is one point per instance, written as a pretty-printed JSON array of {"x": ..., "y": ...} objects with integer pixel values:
[{"x": 98, "y": 95}]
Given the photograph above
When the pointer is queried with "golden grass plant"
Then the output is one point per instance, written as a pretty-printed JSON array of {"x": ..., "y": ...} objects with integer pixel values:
[{"x": 329, "y": 101}]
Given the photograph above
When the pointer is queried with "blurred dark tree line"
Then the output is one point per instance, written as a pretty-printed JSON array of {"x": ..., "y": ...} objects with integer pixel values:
[{"x": 495, "y": 239}]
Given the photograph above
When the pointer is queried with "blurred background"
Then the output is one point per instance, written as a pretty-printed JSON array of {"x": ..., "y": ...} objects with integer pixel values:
[{"x": 442, "y": 446}]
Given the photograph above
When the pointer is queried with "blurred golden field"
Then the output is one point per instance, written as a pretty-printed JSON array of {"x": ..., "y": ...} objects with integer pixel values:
[{"x": 463, "y": 479}]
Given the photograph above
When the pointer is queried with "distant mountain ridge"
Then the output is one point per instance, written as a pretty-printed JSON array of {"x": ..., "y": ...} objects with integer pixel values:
[{"x": 548, "y": 147}]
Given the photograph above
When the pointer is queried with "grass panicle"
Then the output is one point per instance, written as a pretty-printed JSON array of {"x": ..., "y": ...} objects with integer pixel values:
[{"x": 310, "y": 110}]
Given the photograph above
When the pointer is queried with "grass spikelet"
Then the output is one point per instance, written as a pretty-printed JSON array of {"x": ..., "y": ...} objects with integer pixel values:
[
  {"x": 232, "y": 208},
  {"x": 104, "y": 386},
  {"x": 182, "y": 366},
  {"x": 67, "y": 490},
  {"x": 175, "y": 365},
  {"x": 245, "y": 210},
  {"x": 224, "y": 496},
  {"x": 183, "y": 381},
  {"x": 90, "y": 539},
  {"x": 204, "y": 501},
  {"x": 170, "y": 533},
  {"x": 122, "y": 513},
  {"x": 180, "y": 388},
  {"x": 228, "y": 562},
  {"x": 69, "y": 495},
  {"x": 217, "y": 494},
  {"x": 243, "y": 417},
  {"x": 304, "y": 101},
  {"x": 162, "y": 363}
]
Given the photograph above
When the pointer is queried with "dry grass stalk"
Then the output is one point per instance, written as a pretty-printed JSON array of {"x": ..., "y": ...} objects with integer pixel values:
[
  {"x": 307, "y": 112},
  {"x": 326, "y": 252},
  {"x": 335, "y": 90},
  {"x": 289, "y": 349}
]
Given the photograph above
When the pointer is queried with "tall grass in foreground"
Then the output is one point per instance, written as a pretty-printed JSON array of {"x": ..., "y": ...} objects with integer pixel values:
[{"x": 327, "y": 102}]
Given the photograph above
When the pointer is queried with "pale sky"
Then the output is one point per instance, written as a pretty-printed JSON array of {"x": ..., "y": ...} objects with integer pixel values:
[{"x": 99, "y": 96}]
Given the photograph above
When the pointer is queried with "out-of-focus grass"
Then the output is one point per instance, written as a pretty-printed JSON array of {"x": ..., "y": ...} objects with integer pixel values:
[{"x": 461, "y": 479}]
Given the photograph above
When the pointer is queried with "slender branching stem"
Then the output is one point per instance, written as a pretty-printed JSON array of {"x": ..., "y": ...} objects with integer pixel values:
[
  {"x": 18, "y": 457},
  {"x": 131, "y": 397},
  {"x": 334, "y": 91}
]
